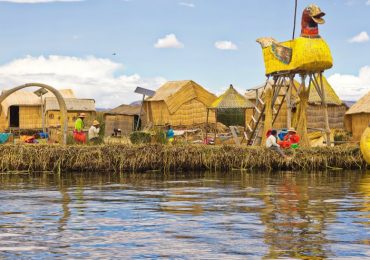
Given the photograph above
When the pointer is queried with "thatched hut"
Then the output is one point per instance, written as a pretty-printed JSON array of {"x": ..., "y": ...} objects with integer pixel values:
[
  {"x": 315, "y": 115},
  {"x": 74, "y": 107},
  {"x": 336, "y": 109},
  {"x": 232, "y": 108},
  {"x": 125, "y": 118},
  {"x": 22, "y": 110},
  {"x": 179, "y": 103},
  {"x": 358, "y": 117}
]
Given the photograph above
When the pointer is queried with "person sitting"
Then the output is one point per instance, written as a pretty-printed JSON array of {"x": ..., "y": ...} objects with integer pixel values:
[
  {"x": 94, "y": 132},
  {"x": 170, "y": 134},
  {"x": 291, "y": 139},
  {"x": 271, "y": 143}
]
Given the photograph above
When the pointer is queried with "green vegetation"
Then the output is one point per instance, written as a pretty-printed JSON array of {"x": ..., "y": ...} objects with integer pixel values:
[{"x": 140, "y": 138}]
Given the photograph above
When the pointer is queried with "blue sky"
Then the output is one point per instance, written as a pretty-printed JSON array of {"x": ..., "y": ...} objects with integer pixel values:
[{"x": 69, "y": 44}]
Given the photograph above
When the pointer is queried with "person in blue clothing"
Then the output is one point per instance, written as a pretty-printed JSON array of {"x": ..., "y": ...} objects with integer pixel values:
[{"x": 170, "y": 134}]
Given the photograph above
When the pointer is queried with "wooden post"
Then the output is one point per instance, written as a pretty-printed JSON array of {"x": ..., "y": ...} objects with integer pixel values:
[
  {"x": 141, "y": 111},
  {"x": 326, "y": 114},
  {"x": 42, "y": 115},
  {"x": 289, "y": 102},
  {"x": 207, "y": 126}
]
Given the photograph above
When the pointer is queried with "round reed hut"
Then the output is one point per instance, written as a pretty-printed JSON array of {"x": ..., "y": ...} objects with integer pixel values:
[{"x": 232, "y": 108}]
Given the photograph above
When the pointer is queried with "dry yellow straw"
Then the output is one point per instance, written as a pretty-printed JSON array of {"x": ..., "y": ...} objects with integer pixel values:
[
  {"x": 268, "y": 114},
  {"x": 302, "y": 117}
]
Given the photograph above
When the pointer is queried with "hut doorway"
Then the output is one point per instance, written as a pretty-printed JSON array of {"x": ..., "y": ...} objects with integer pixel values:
[
  {"x": 14, "y": 116},
  {"x": 231, "y": 116},
  {"x": 136, "y": 120}
]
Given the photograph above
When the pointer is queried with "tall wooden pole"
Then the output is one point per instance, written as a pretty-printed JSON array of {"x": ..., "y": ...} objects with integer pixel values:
[
  {"x": 206, "y": 141},
  {"x": 141, "y": 111},
  {"x": 289, "y": 102},
  {"x": 295, "y": 18},
  {"x": 326, "y": 114}
]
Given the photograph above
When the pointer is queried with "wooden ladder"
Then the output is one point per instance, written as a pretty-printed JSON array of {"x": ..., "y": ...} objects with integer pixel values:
[{"x": 253, "y": 132}]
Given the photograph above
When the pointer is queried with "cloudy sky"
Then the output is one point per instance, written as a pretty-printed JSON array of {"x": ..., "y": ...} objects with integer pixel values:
[{"x": 105, "y": 48}]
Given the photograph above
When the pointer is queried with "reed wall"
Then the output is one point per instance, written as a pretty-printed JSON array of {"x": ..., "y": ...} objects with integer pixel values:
[
  {"x": 358, "y": 124},
  {"x": 52, "y": 118},
  {"x": 123, "y": 122},
  {"x": 190, "y": 113},
  {"x": 30, "y": 117}
]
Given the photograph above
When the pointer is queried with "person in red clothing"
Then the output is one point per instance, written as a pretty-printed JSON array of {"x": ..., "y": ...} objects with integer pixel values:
[{"x": 290, "y": 138}]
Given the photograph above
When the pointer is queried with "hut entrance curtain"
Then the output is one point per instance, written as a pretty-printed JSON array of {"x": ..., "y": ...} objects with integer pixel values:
[{"x": 231, "y": 116}]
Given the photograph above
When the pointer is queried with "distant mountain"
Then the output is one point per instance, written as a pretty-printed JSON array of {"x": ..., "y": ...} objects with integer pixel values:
[
  {"x": 136, "y": 103},
  {"x": 349, "y": 103},
  {"x": 99, "y": 109}
]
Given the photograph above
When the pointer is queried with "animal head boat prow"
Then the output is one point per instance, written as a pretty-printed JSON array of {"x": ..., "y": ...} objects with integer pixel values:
[{"x": 312, "y": 16}]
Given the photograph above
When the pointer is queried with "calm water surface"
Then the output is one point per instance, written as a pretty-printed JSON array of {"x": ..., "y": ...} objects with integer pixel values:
[{"x": 201, "y": 216}]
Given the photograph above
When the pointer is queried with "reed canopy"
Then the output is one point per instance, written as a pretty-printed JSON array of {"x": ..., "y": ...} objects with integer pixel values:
[
  {"x": 123, "y": 117},
  {"x": 231, "y": 108},
  {"x": 179, "y": 103},
  {"x": 358, "y": 117},
  {"x": 315, "y": 115}
]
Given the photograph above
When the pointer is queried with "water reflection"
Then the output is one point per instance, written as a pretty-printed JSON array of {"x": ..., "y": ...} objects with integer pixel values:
[{"x": 237, "y": 216}]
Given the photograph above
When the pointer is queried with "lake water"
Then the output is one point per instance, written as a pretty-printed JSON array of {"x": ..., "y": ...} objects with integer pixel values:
[{"x": 237, "y": 215}]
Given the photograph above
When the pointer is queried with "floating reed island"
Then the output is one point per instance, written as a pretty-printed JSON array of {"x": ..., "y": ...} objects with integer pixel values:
[{"x": 166, "y": 158}]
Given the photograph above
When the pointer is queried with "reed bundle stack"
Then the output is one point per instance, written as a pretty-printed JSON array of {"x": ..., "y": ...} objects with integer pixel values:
[{"x": 268, "y": 114}]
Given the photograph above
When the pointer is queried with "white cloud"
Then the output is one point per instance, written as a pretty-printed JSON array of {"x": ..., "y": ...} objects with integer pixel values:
[
  {"x": 226, "y": 45},
  {"x": 169, "y": 41},
  {"x": 359, "y": 38},
  {"x": 368, "y": 2},
  {"x": 38, "y": 1},
  {"x": 191, "y": 5},
  {"x": 351, "y": 87},
  {"x": 90, "y": 77}
]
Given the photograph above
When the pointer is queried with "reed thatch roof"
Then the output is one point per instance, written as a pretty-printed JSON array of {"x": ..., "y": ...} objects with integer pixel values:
[
  {"x": 125, "y": 110},
  {"x": 27, "y": 98},
  {"x": 176, "y": 93},
  {"x": 331, "y": 97},
  {"x": 361, "y": 106},
  {"x": 73, "y": 104},
  {"x": 231, "y": 99}
]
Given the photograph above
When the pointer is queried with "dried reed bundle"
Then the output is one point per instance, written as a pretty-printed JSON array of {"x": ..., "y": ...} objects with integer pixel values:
[
  {"x": 129, "y": 158},
  {"x": 268, "y": 114},
  {"x": 302, "y": 116}
]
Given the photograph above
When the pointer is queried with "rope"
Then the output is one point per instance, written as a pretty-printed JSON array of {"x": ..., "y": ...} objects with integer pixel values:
[{"x": 295, "y": 17}]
